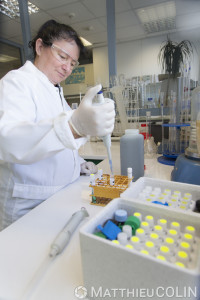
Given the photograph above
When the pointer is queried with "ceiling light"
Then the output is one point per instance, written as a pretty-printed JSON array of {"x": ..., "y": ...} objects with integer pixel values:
[
  {"x": 6, "y": 58},
  {"x": 85, "y": 42},
  {"x": 71, "y": 15},
  {"x": 160, "y": 17},
  {"x": 10, "y": 8}
]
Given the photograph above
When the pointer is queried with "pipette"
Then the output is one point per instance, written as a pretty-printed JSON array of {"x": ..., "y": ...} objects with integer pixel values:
[
  {"x": 57, "y": 247},
  {"x": 107, "y": 138},
  {"x": 65, "y": 234}
]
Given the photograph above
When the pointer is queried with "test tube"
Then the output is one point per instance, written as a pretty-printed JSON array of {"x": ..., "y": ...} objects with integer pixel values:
[
  {"x": 122, "y": 238},
  {"x": 173, "y": 234},
  {"x": 135, "y": 242},
  {"x": 141, "y": 234},
  {"x": 138, "y": 215},
  {"x": 183, "y": 257},
  {"x": 129, "y": 246},
  {"x": 165, "y": 251},
  {"x": 112, "y": 180},
  {"x": 162, "y": 117},
  {"x": 145, "y": 225},
  {"x": 190, "y": 229},
  {"x": 161, "y": 257},
  {"x": 115, "y": 242},
  {"x": 176, "y": 226},
  {"x": 187, "y": 237},
  {"x": 150, "y": 220},
  {"x": 128, "y": 230},
  {"x": 154, "y": 237},
  {"x": 92, "y": 179},
  {"x": 100, "y": 174},
  {"x": 163, "y": 223},
  {"x": 159, "y": 230},
  {"x": 179, "y": 264},
  {"x": 170, "y": 243},
  {"x": 143, "y": 251},
  {"x": 150, "y": 247},
  {"x": 157, "y": 191},
  {"x": 185, "y": 246},
  {"x": 129, "y": 173}
]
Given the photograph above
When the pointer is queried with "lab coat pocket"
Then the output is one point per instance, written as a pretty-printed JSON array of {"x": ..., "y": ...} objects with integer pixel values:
[{"x": 37, "y": 192}]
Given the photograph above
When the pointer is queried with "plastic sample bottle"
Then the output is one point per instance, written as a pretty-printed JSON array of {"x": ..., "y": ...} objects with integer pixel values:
[{"x": 132, "y": 153}]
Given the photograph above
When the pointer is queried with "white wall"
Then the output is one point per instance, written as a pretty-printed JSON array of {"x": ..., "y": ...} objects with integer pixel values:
[{"x": 135, "y": 58}]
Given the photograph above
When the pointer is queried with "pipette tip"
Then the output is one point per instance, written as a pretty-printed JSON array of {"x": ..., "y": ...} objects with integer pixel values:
[{"x": 110, "y": 163}]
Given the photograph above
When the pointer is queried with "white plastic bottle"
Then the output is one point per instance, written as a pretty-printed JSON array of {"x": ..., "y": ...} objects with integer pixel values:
[{"x": 132, "y": 153}]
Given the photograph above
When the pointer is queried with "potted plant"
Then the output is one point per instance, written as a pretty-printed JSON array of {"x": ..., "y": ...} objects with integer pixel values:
[{"x": 173, "y": 56}]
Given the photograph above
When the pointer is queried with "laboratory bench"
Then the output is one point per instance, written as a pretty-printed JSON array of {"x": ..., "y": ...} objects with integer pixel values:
[{"x": 26, "y": 272}]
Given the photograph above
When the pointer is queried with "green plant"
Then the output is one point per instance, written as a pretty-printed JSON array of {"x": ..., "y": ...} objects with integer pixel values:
[{"x": 173, "y": 56}]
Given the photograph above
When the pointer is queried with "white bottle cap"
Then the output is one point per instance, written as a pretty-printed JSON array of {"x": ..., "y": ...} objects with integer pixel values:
[
  {"x": 122, "y": 238},
  {"x": 150, "y": 247},
  {"x": 150, "y": 220},
  {"x": 163, "y": 223},
  {"x": 138, "y": 215},
  {"x": 135, "y": 241},
  {"x": 140, "y": 233},
  {"x": 175, "y": 225},
  {"x": 145, "y": 225},
  {"x": 131, "y": 131},
  {"x": 128, "y": 230}
]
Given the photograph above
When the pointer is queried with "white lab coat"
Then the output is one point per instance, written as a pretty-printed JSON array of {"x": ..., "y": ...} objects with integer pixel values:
[{"x": 38, "y": 152}]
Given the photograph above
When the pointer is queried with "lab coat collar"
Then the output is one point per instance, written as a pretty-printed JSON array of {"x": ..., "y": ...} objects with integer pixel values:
[{"x": 30, "y": 66}]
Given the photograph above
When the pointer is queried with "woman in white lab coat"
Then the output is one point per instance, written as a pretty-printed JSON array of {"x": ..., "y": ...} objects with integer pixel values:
[{"x": 39, "y": 133}]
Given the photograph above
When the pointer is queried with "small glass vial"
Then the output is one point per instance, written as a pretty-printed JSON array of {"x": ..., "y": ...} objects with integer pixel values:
[
  {"x": 190, "y": 229},
  {"x": 122, "y": 238},
  {"x": 163, "y": 223},
  {"x": 161, "y": 257},
  {"x": 165, "y": 251},
  {"x": 138, "y": 215},
  {"x": 135, "y": 242},
  {"x": 150, "y": 220},
  {"x": 129, "y": 246},
  {"x": 128, "y": 230},
  {"x": 154, "y": 237},
  {"x": 129, "y": 173},
  {"x": 100, "y": 174},
  {"x": 159, "y": 230},
  {"x": 145, "y": 225},
  {"x": 141, "y": 234},
  {"x": 150, "y": 247},
  {"x": 170, "y": 243},
  {"x": 185, "y": 246},
  {"x": 176, "y": 226},
  {"x": 112, "y": 180},
  {"x": 173, "y": 234},
  {"x": 92, "y": 179},
  {"x": 183, "y": 257}
]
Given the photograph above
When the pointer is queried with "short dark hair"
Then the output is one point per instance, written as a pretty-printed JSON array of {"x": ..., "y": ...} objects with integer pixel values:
[{"x": 52, "y": 30}]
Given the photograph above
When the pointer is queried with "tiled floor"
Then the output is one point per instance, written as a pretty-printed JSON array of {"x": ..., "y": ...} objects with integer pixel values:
[{"x": 153, "y": 168}]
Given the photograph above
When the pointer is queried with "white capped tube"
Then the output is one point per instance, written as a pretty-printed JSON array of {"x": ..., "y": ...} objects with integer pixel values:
[{"x": 129, "y": 173}]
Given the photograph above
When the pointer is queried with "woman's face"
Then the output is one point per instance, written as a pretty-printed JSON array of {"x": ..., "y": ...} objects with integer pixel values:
[{"x": 56, "y": 61}]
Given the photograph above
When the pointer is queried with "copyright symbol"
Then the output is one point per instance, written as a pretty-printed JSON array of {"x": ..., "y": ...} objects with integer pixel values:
[{"x": 80, "y": 292}]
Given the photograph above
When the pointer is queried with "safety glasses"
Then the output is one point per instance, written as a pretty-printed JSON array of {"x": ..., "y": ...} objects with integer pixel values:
[{"x": 63, "y": 57}]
